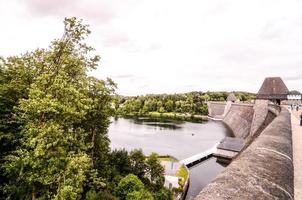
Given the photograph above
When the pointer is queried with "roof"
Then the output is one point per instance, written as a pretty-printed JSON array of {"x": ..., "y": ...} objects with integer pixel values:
[
  {"x": 294, "y": 92},
  {"x": 231, "y": 97},
  {"x": 272, "y": 88}
]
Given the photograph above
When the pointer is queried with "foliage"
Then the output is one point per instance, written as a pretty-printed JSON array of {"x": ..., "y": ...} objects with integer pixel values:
[
  {"x": 155, "y": 172},
  {"x": 103, "y": 195},
  {"x": 127, "y": 185},
  {"x": 140, "y": 195},
  {"x": 54, "y": 136},
  {"x": 183, "y": 174},
  {"x": 163, "y": 194},
  {"x": 192, "y": 103},
  {"x": 138, "y": 163},
  {"x": 54, "y": 120}
]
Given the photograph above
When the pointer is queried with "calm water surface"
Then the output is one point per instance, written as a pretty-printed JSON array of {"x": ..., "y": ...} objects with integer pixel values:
[{"x": 175, "y": 138}]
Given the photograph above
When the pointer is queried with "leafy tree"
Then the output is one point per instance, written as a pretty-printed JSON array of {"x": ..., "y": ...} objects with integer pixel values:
[
  {"x": 155, "y": 172},
  {"x": 127, "y": 185},
  {"x": 60, "y": 138},
  {"x": 120, "y": 162},
  {"x": 169, "y": 105},
  {"x": 138, "y": 165},
  {"x": 140, "y": 195},
  {"x": 103, "y": 195},
  {"x": 163, "y": 194}
]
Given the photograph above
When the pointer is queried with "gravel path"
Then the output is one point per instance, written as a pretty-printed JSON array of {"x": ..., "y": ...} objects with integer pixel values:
[{"x": 297, "y": 153}]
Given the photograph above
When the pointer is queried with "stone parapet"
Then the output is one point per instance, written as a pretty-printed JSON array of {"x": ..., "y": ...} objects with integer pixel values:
[{"x": 264, "y": 170}]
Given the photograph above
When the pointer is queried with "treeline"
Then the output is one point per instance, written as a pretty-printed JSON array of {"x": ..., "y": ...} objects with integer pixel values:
[
  {"x": 192, "y": 103},
  {"x": 222, "y": 96},
  {"x": 53, "y": 129}
]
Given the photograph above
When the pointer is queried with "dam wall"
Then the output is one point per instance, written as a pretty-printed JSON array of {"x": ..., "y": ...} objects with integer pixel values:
[
  {"x": 239, "y": 118},
  {"x": 216, "y": 109},
  {"x": 259, "y": 117},
  {"x": 244, "y": 119},
  {"x": 264, "y": 170}
]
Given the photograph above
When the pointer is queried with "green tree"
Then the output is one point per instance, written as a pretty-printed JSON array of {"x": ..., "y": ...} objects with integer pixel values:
[
  {"x": 120, "y": 162},
  {"x": 155, "y": 172},
  {"x": 140, "y": 195},
  {"x": 163, "y": 194},
  {"x": 138, "y": 165},
  {"x": 169, "y": 106},
  {"x": 60, "y": 141},
  {"x": 127, "y": 185}
]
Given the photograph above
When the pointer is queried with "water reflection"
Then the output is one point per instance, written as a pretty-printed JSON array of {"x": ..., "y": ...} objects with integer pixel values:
[
  {"x": 158, "y": 122},
  {"x": 169, "y": 137},
  {"x": 201, "y": 175}
]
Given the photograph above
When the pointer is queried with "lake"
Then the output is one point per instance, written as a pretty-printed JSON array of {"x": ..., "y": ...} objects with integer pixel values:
[{"x": 170, "y": 137}]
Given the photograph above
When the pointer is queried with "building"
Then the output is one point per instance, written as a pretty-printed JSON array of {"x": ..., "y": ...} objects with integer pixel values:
[
  {"x": 273, "y": 89},
  {"x": 294, "y": 97}
]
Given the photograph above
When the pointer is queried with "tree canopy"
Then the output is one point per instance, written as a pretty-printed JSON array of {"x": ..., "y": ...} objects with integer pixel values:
[{"x": 53, "y": 125}]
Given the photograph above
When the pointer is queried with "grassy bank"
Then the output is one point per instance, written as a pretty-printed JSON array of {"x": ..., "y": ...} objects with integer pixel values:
[
  {"x": 182, "y": 173},
  {"x": 170, "y": 115}
]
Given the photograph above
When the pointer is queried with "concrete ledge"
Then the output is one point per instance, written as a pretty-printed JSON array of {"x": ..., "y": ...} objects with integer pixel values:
[{"x": 263, "y": 171}]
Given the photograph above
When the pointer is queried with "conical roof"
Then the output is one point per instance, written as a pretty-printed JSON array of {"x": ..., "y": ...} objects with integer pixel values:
[{"x": 272, "y": 88}]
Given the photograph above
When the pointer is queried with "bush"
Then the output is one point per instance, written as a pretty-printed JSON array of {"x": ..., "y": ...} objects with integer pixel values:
[
  {"x": 140, "y": 195},
  {"x": 127, "y": 185}
]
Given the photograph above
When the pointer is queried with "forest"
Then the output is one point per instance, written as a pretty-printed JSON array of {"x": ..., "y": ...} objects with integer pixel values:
[
  {"x": 53, "y": 129},
  {"x": 172, "y": 105}
]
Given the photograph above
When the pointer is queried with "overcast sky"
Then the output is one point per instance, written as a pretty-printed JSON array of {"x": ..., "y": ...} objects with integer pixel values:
[{"x": 170, "y": 46}]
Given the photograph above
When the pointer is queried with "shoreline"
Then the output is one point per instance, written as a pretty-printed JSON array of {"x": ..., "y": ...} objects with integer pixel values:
[{"x": 173, "y": 116}]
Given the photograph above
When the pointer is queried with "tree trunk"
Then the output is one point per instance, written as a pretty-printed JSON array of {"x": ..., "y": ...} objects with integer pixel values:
[{"x": 34, "y": 193}]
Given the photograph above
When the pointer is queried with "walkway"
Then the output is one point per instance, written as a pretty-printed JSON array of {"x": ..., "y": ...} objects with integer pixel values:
[
  {"x": 297, "y": 153},
  {"x": 199, "y": 157}
]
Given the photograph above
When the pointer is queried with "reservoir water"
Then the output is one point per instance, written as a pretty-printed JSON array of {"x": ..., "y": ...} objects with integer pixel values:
[{"x": 170, "y": 137}]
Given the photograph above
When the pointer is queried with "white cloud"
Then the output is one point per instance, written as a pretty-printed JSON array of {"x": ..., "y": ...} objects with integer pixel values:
[{"x": 171, "y": 46}]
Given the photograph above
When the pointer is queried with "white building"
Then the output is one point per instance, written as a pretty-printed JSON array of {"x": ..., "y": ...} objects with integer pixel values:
[{"x": 294, "y": 98}]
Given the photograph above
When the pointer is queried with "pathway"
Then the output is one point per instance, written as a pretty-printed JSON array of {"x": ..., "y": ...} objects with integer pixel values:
[
  {"x": 199, "y": 157},
  {"x": 297, "y": 153}
]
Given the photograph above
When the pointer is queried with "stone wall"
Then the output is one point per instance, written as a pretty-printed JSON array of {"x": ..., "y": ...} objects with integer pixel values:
[
  {"x": 260, "y": 113},
  {"x": 262, "y": 171},
  {"x": 216, "y": 109},
  {"x": 239, "y": 119}
]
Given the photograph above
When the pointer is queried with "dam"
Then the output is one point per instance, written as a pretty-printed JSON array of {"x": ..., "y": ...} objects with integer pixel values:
[{"x": 264, "y": 168}]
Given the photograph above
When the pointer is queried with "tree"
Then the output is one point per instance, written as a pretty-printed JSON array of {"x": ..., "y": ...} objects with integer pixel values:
[
  {"x": 138, "y": 165},
  {"x": 163, "y": 194},
  {"x": 15, "y": 78},
  {"x": 169, "y": 105},
  {"x": 61, "y": 138},
  {"x": 140, "y": 195},
  {"x": 155, "y": 172},
  {"x": 127, "y": 185},
  {"x": 120, "y": 162}
]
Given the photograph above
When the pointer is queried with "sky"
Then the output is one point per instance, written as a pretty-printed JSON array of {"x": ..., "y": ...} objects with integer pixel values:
[{"x": 170, "y": 46}]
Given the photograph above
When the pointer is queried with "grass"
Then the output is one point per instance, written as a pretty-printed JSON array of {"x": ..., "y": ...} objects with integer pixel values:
[
  {"x": 174, "y": 115},
  {"x": 167, "y": 158},
  {"x": 183, "y": 174}
]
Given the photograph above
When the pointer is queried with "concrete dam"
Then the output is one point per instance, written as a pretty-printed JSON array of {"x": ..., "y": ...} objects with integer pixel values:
[{"x": 264, "y": 168}]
